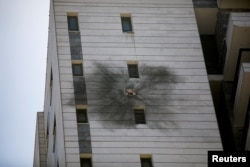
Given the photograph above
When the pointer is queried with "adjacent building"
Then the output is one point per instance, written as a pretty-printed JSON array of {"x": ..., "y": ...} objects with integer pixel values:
[
  {"x": 128, "y": 83},
  {"x": 224, "y": 28}
]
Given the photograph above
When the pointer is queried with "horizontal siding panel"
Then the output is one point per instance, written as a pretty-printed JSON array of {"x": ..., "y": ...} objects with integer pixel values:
[
  {"x": 144, "y": 78},
  {"x": 68, "y": 108},
  {"x": 136, "y": 151},
  {"x": 160, "y": 92},
  {"x": 155, "y": 132},
  {"x": 64, "y": 56},
  {"x": 179, "y": 159},
  {"x": 136, "y": 19},
  {"x": 70, "y": 124},
  {"x": 153, "y": 15},
  {"x": 65, "y": 70},
  {"x": 152, "y": 102},
  {"x": 181, "y": 117},
  {"x": 136, "y": 27},
  {"x": 72, "y": 150},
  {"x": 63, "y": 62},
  {"x": 121, "y": 158},
  {"x": 68, "y": 96},
  {"x": 181, "y": 2},
  {"x": 164, "y": 27},
  {"x": 70, "y": 131},
  {"x": 93, "y": 85},
  {"x": 67, "y": 90},
  {"x": 72, "y": 157},
  {"x": 112, "y": 164},
  {"x": 67, "y": 78},
  {"x": 63, "y": 39},
  {"x": 154, "y": 117},
  {"x": 180, "y": 164},
  {"x": 72, "y": 138},
  {"x": 154, "y": 145},
  {"x": 66, "y": 85},
  {"x": 141, "y": 33},
  {"x": 73, "y": 164},
  {"x": 166, "y": 109},
  {"x": 152, "y": 64},
  {"x": 176, "y": 139},
  {"x": 69, "y": 116},
  {"x": 137, "y": 45},
  {"x": 130, "y": 45},
  {"x": 152, "y": 5},
  {"x": 71, "y": 144},
  {"x": 158, "y": 158},
  {"x": 137, "y": 40},
  {"x": 168, "y": 158},
  {"x": 110, "y": 70},
  {"x": 141, "y": 51},
  {"x": 147, "y": 95},
  {"x": 155, "y": 124},
  {"x": 124, "y": 58},
  {"x": 107, "y": 9}
]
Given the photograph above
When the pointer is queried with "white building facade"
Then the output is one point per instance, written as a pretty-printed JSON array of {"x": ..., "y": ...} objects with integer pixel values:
[{"x": 126, "y": 85}]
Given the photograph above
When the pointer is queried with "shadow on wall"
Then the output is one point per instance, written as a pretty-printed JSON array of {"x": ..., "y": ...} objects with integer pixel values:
[{"x": 113, "y": 95}]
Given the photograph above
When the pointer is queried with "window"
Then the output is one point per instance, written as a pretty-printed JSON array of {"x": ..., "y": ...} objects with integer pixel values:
[
  {"x": 51, "y": 87},
  {"x": 139, "y": 116},
  {"x": 133, "y": 70},
  {"x": 54, "y": 135},
  {"x": 77, "y": 70},
  {"x": 86, "y": 162},
  {"x": 126, "y": 24},
  {"x": 82, "y": 116},
  {"x": 72, "y": 23},
  {"x": 146, "y": 162}
]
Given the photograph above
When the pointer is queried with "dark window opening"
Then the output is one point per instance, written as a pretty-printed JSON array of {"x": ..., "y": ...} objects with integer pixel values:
[
  {"x": 51, "y": 87},
  {"x": 86, "y": 162},
  {"x": 146, "y": 162},
  {"x": 126, "y": 24},
  {"x": 72, "y": 23},
  {"x": 133, "y": 71},
  {"x": 139, "y": 116},
  {"x": 54, "y": 135},
  {"x": 82, "y": 116},
  {"x": 77, "y": 70}
]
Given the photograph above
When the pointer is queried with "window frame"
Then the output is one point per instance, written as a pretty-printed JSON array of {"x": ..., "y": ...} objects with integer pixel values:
[
  {"x": 140, "y": 115},
  {"x": 84, "y": 111},
  {"x": 73, "y": 71},
  {"x": 147, "y": 160},
  {"x": 88, "y": 160},
  {"x": 76, "y": 22},
  {"x": 127, "y": 19},
  {"x": 131, "y": 68}
]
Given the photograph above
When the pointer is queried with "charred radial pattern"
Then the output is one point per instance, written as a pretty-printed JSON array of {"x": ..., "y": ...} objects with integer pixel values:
[{"x": 118, "y": 94}]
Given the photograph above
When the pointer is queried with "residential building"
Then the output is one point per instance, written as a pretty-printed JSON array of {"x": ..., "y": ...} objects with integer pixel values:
[
  {"x": 224, "y": 28},
  {"x": 126, "y": 85}
]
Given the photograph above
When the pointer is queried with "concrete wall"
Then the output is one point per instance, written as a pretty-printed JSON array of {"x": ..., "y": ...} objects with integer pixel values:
[
  {"x": 40, "y": 143},
  {"x": 206, "y": 19},
  {"x": 242, "y": 96},
  {"x": 238, "y": 37}
]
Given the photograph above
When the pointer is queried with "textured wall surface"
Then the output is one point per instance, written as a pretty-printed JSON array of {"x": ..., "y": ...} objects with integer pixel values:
[{"x": 172, "y": 87}]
